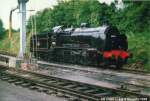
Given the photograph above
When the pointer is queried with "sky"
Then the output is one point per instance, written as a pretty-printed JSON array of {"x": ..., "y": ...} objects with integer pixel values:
[{"x": 36, "y": 5}]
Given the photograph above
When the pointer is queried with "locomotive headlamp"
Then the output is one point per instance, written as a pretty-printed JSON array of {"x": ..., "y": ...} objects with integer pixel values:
[
  {"x": 53, "y": 43},
  {"x": 38, "y": 43}
]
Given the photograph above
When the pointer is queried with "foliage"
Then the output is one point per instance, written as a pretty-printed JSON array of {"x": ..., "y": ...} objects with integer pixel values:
[
  {"x": 135, "y": 17},
  {"x": 72, "y": 13},
  {"x": 139, "y": 46},
  {"x": 12, "y": 45},
  {"x": 1, "y": 29}
]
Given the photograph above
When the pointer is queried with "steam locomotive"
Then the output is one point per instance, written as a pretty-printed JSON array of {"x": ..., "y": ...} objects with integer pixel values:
[{"x": 102, "y": 45}]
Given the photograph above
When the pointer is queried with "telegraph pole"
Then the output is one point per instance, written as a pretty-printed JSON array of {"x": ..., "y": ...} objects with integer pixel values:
[{"x": 22, "y": 10}]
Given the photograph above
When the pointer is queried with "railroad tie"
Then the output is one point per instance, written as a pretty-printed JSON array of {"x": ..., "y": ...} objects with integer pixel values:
[
  {"x": 103, "y": 94},
  {"x": 5, "y": 78},
  {"x": 90, "y": 91},
  {"x": 25, "y": 84},
  {"x": 19, "y": 82},
  {"x": 71, "y": 86},
  {"x": 52, "y": 82},
  {"x": 82, "y": 88},
  {"x": 12, "y": 80}
]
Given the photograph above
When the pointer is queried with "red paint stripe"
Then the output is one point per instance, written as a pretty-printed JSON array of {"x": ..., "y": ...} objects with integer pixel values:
[{"x": 116, "y": 53}]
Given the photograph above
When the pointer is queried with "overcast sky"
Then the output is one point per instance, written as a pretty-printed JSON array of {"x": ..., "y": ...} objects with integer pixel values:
[{"x": 7, "y": 5}]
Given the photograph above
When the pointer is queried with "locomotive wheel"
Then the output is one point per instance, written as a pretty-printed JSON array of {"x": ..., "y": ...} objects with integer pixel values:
[
  {"x": 106, "y": 62},
  {"x": 84, "y": 61},
  {"x": 72, "y": 60},
  {"x": 119, "y": 63},
  {"x": 77, "y": 59}
]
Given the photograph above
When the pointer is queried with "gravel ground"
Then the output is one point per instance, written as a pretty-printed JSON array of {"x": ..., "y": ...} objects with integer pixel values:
[{"x": 10, "y": 92}]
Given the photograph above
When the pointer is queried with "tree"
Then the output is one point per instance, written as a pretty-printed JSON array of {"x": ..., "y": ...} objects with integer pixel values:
[
  {"x": 2, "y": 30},
  {"x": 1, "y": 27},
  {"x": 72, "y": 13},
  {"x": 135, "y": 16}
]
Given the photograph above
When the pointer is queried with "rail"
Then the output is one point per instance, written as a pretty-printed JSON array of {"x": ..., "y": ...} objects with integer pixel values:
[{"x": 73, "y": 88}]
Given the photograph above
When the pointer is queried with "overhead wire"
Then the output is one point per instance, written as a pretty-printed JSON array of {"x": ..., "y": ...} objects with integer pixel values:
[
  {"x": 36, "y": 42},
  {"x": 33, "y": 35}
]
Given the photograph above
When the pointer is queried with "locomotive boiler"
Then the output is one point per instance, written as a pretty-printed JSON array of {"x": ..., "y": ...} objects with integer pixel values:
[{"x": 102, "y": 45}]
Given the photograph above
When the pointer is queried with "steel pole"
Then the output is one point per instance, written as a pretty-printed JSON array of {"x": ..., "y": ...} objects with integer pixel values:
[{"x": 22, "y": 6}]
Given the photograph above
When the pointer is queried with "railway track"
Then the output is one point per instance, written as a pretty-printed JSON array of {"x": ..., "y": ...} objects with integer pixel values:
[
  {"x": 63, "y": 87},
  {"x": 142, "y": 72},
  {"x": 124, "y": 87},
  {"x": 89, "y": 69},
  {"x": 106, "y": 77}
]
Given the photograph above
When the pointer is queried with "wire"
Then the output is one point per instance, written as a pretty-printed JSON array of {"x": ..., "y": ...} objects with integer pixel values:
[
  {"x": 36, "y": 54},
  {"x": 32, "y": 34}
]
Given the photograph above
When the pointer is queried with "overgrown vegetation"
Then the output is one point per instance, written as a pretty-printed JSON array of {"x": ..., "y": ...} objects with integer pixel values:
[
  {"x": 12, "y": 45},
  {"x": 133, "y": 20},
  {"x": 2, "y": 30}
]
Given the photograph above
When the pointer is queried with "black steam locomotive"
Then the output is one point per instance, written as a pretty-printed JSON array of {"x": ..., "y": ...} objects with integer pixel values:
[{"x": 102, "y": 45}]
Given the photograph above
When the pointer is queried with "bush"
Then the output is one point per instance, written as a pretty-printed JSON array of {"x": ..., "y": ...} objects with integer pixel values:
[{"x": 139, "y": 45}]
